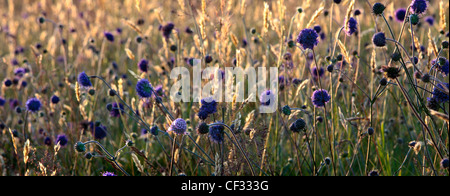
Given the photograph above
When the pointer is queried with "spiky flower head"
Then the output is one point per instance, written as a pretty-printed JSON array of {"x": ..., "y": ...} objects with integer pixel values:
[
  {"x": 178, "y": 126},
  {"x": 144, "y": 89},
  {"x": 320, "y": 97},
  {"x": 391, "y": 72},
  {"x": 83, "y": 80},
  {"x": 308, "y": 38},
  {"x": 33, "y": 105}
]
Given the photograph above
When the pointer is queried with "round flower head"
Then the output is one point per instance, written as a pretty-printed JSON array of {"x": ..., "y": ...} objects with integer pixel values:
[
  {"x": 317, "y": 73},
  {"x": 216, "y": 133},
  {"x": 99, "y": 132},
  {"x": 116, "y": 109},
  {"x": 167, "y": 29},
  {"x": 159, "y": 90},
  {"x": 374, "y": 173},
  {"x": 308, "y": 38},
  {"x": 33, "y": 105},
  {"x": 144, "y": 89},
  {"x": 400, "y": 14},
  {"x": 418, "y": 6},
  {"x": 429, "y": 20},
  {"x": 108, "y": 174},
  {"x": 317, "y": 28},
  {"x": 379, "y": 39},
  {"x": 55, "y": 99},
  {"x": 143, "y": 65},
  {"x": 378, "y": 8},
  {"x": 265, "y": 97},
  {"x": 48, "y": 141},
  {"x": 203, "y": 128},
  {"x": 352, "y": 26},
  {"x": 298, "y": 125},
  {"x": 178, "y": 126},
  {"x": 320, "y": 97},
  {"x": 209, "y": 106},
  {"x": 61, "y": 139},
  {"x": 83, "y": 80},
  {"x": 2, "y": 101},
  {"x": 443, "y": 66},
  {"x": 154, "y": 130},
  {"x": 444, "y": 163},
  {"x": 109, "y": 36}
]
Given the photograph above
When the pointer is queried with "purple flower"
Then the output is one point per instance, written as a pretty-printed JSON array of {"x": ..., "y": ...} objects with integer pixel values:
[
  {"x": 320, "y": 98},
  {"x": 167, "y": 29},
  {"x": 308, "y": 38},
  {"x": 144, "y": 89},
  {"x": 54, "y": 99},
  {"x": 352, "y": 26},
  {"x": 62, "y": 139},
  {"x": 429, "y": 20},
  {"x": 33, "y": 105},
  {"x": 216, "y": 133},
  {"x": 2, "y": 101},
  {"x": 379, "y": 39},
  {"x": 99, "y": 132},
  {"x": 109, "y": 36},
  {"x": 143, "y": 65},
  {"x": 116, "y": 109},
  {"x": 83, "y": 80},
  {"x": 418, "y": 6},
  {"x": 317, "y": 73},
  {"x": 209, "y": 106},
  {"x": 178, "y": 126},
  {"x": 400, "y": 14},
  {"x": 108, "y": 174}
]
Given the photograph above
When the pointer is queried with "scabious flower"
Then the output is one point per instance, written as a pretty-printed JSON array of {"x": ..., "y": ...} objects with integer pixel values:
[
  {"x": 108, "y": 174},
  {"x": 209, "y": 106},
  {"x": 418, "y": 6},
  {"x": 116, "y": 109},
  {"x": 143, "y": 65},
  {"x": 167, "y": 29},
  {"x": 159, "y": 90},
  {"x": 33, "y": 105},
  {"x": 216, "y": 133},
  {"x": 379, "y": 39},
  {"x": 2, "y": 101},
  {"x": 317, "y": 73},
  {"x": 83, "y": 80},
  {"x": 19, "y": 72},
  {"x": 320, "y": 97},
  {"x": 444, "y": 163},
  {"x": 439, "y": 95},
  {"x": 202, "y": 128},
  {"x": 378, "y": 8},
  {"x": 298, "y": 125},
  {"x": 317, "y": 28},
  {"x": 144, "y": 89},
  {"x": 352, "y": 26},
  {"x": 429, "y": 20},
  {"x": 99, "y": 132},
  {"x": 55, "y": 99},
  {"x": 400, "y": 14},
  {"x": 48, "y": 141},
  {"x": 442, "y": 65},
  {"x": 308, "y": 38},
  {"x": 178, "y": 126},
  {"x": 374, "y": 173},
  {"x": 109, "y": 36},
  {"x": 62, "y": 139},
  {"x": 391, "y": 72},
  {"x": 266, "y": 97}
]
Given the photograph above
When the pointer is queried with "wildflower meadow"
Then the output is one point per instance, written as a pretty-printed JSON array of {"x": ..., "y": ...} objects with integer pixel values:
[{"x": 224, "y": 88}]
